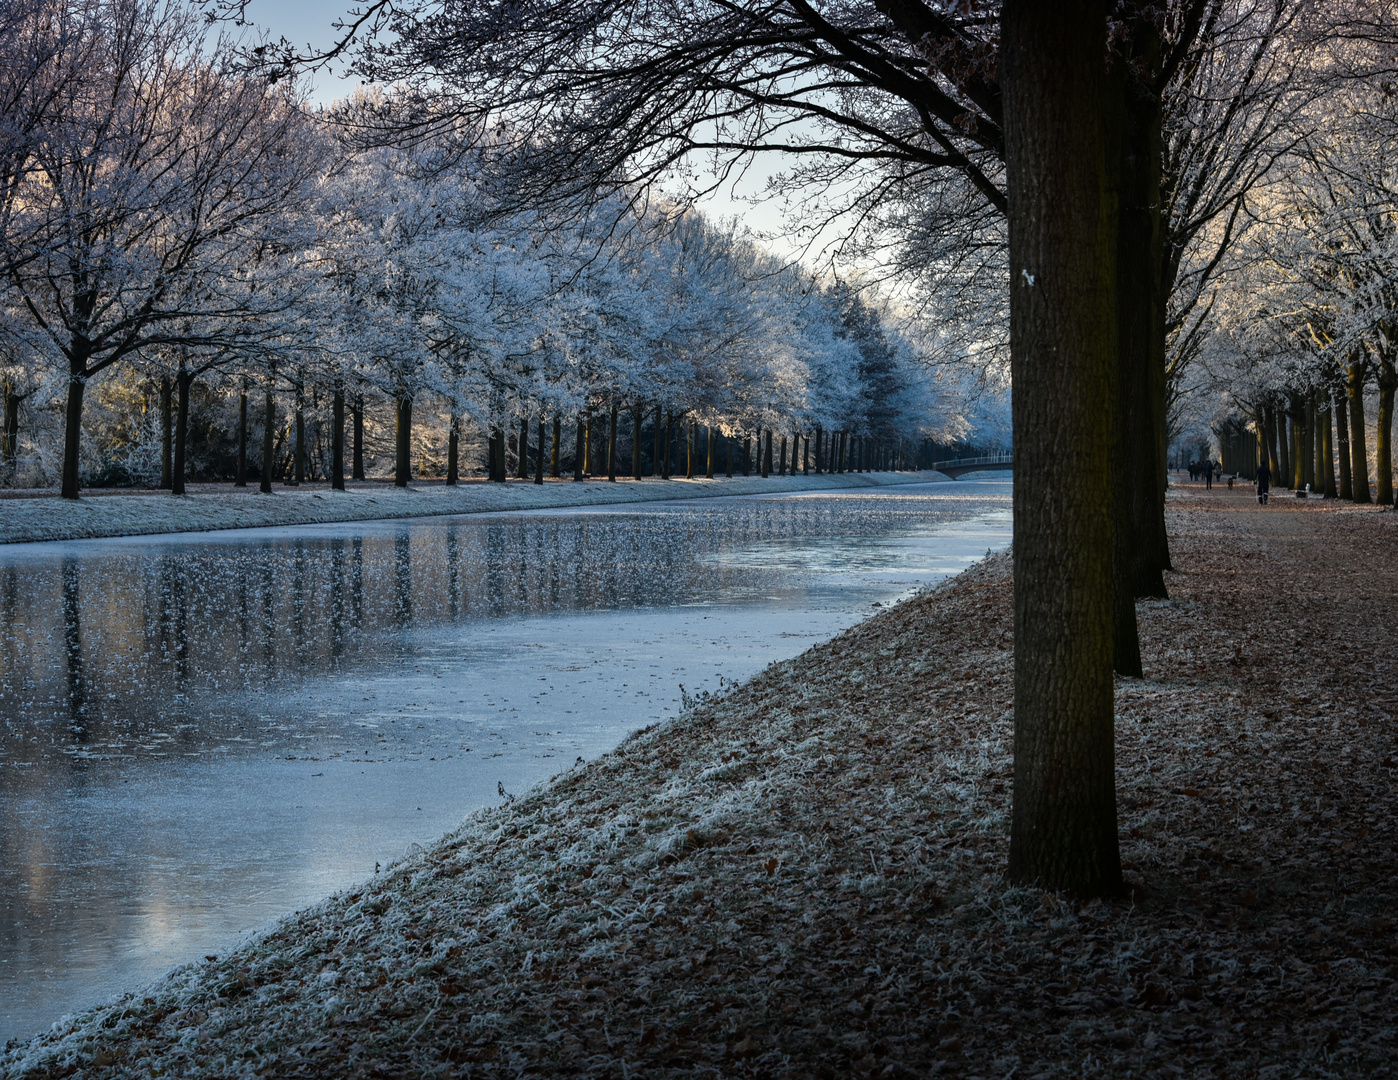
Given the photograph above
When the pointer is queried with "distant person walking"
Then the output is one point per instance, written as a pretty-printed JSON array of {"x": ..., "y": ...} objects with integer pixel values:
[
  {"x": 1208, "y": 476},
  {"x": 1264, "y": 482}
]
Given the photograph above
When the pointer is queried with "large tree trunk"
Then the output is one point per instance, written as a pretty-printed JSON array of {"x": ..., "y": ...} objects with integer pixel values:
[
  {"x": 240, "y": 474},
  {"x": 1383, "y": 434},
  {"x": 1358, "y": 449},
  {"x": 819, "y": 446},
  {"x": 636, "y": 420},
  {"x": 1138, "y": 507},
  {"x": 665, "y": 447},
  {"x": 522, "y": 459},
  {"x": 167, "y": 435},
  {"x": 655, "y": 469},
  {"x": 766, "y": 451},
  {"x": 453, "y": 451},
  {"x": 11, "y": 431},
  {"x": 580, "y": 453},
  {"x": 1063, "y": 236},
  {"x": 403, "y": 443},
  {"x": 182, "y": 384},
  {"x": 1327, "y": 453},
  {"x": 611, "y": 443},
  {"x": 539, "y": 463},
  {"x": 298, "y": 450},
  {"x": 1296, "y": 414},
  {"x": 357, "y": 456},
  {"x": 72, "y": 430},
  {"x": 554, "y": 463},
  {"x": 1342, "y": 438},
  {"x": 709, "y": 452},
  {"x": 337, "y": 440},
  {"x": 269, "y": 434}
]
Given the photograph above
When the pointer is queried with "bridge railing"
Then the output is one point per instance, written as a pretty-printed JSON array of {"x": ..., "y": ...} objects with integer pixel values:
[{"x": 988, "y": 459}]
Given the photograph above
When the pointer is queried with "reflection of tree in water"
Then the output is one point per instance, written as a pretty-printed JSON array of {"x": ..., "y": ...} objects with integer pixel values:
[
  {"x": 188, "y": 636},
  {"x": 73, "y": 648}
]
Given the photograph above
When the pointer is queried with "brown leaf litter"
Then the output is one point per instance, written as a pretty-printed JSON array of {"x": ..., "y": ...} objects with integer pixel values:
[{"x": 805, "y": 877}]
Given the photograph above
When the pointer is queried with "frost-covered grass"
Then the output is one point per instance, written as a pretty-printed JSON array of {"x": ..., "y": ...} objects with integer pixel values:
[
  {"x": 51, "y": 518},
  {"x": 804, "y": 877}
]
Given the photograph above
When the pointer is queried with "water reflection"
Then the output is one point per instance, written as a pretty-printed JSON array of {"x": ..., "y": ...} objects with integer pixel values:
[{"x": 165, "y": 701}]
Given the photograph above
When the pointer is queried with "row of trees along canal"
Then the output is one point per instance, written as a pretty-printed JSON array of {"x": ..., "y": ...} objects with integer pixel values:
[
  {"x": 1058, "y": 188},
  {"x": 180, "y": 235}
]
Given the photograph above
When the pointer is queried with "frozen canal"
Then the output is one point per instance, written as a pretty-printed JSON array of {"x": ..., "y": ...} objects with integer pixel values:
[{"x": 207, "y": 731}]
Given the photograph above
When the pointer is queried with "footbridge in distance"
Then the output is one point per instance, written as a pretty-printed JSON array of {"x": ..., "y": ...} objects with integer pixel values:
[{"x": 956, "y": 466}]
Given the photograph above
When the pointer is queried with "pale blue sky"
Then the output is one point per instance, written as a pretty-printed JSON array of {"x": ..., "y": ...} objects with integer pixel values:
[{"x": 310, "y": 22}]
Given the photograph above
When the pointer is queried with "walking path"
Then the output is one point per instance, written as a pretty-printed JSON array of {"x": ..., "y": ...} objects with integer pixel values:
[
  {"x": 51, "y": 518},
  {"x": 805, "y": 877}
]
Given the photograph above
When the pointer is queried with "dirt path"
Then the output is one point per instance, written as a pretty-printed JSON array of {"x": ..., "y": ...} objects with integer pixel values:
[{"x": 805, "y": 878}]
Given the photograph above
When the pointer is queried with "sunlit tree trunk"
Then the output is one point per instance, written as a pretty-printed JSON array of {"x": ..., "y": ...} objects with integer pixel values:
[
  {"x": 1062, "y": 251},
  {"x": 1358, "y": 448},
  {"x": 1298, "y": 461},
  {"x": 1284, "y": 442},
  {"x": 269, "y": 434}
]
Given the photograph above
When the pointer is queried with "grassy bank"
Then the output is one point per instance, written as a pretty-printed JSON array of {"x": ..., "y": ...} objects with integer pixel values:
[
  {"x": 805, "y": 877},
  {"x": 52, "y": 518}
]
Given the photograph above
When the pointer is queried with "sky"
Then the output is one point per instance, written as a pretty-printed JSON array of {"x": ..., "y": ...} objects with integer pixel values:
[{"x": 311, "y": 23}]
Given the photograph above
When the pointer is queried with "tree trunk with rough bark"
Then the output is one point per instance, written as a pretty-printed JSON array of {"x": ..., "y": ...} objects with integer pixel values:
[
  {"x": 403, "y": 443},
  {"x": 357, "y": 454},
  {"x": 555, "y": 465},
  {"x": 1063, "y": 236},
  {"x": 1358, "y": 449},
  {"x": 1383, "y": 434},
  {"x": 269, "y": 434},
  {"x": 240, "y": 468},
  {"x": 337, "y": 439},
  {"x": 453, "y": 452},
  {"x": 611, "y": 443},
  {"x": 183, "y": 380},
  {"x": 167, "y": 435},
  {"x": 1342, "y": 439}
]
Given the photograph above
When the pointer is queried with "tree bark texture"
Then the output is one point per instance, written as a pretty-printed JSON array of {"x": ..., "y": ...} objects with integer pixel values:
[
  {"x": 337, "y": 439},
  {"x": 522, "y": 462},
  {"x": 167, "y": 436},
  {"x": 11, "y": 433},
  {"x": 453, "y": 452},
  {"x": 539, "y": 463},
  {"x": 1342, "y": 438},
  {"x": 611, "y": 443},
  {"x": 357, "y": 456},
  {"x": 1383, "y": 434},
  {"x": 580, "y": 450},
  {"x": 182, "y": 384},
  {"x": 403, "y": 466},
  {"x": 269, "y": 434},
  {"x": 554, "y": 463},
  {"x": 1063, "y": 237},
  {"x": 1358, "y": 448},
  {"x": 240, "y": 473}
]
